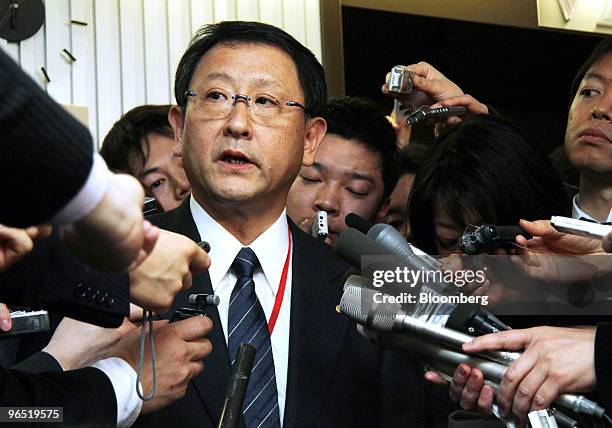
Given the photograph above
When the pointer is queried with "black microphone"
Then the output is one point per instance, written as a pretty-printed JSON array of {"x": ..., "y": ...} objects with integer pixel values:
[
  {"x": 488, "y": 237},
  {"x": 357, "y": 222},
  {"x": 473, "y": 319},
  {"x": 241, "y": 371},
  {"x": 352, "y": 244}
]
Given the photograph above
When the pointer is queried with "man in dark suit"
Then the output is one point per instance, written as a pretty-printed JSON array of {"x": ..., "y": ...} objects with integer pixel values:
[
  {"x": 249, "y": 98},
  {"x": 51, "y": 174}
]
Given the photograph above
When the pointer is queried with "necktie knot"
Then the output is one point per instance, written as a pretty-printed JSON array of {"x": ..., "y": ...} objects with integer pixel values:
[{"x": 245, "y": 263}]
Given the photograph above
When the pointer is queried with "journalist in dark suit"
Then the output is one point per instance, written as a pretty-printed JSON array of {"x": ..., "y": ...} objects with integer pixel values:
[{"x": 249, "y": 98}]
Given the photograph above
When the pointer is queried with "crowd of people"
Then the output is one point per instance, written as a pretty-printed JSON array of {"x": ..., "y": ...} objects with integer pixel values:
[{"x": 246, "y": 159}]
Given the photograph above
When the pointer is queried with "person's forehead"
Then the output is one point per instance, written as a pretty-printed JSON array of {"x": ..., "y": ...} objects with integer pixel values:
[
  {"x": 342, "y": 156},
  {"x": 159, "y": 146},
  {"x": 247, "y": 64},
  {"x": 600, "y": 70},
  {"x": 339, "y": 153}
]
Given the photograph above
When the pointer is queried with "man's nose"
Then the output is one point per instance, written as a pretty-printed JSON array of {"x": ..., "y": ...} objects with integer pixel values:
[
  {"x": 238, "y": 124},
  {"x": 327, "y": 200},
  {"x": 182, "y": 188},
  {"x": 603, "y": 109}
]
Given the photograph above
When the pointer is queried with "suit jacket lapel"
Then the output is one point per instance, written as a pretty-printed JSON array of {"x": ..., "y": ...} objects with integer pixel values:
[
  {"x": 211, "y": 385},
  {"x": 317, "y": 332}
]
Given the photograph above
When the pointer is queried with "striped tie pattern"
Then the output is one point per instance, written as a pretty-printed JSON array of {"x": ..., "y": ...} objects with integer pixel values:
[{"x": 247, "y": 324}]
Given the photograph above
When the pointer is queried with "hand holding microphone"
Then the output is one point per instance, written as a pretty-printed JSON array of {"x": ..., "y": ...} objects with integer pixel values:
[{"x": 442, "y": 345}]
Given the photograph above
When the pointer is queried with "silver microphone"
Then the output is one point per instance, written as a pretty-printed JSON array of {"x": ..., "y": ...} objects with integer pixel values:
[{"x": 390, "y": 323}]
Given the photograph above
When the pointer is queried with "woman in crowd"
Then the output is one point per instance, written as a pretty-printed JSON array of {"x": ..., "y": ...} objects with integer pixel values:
[{"x": 480, "y": 171}]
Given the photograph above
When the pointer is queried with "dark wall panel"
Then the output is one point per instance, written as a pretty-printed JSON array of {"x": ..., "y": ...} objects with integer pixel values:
[{"x": 525, "y": 74}]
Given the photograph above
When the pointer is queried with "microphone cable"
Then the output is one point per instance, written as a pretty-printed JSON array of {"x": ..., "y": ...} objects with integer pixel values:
[{"x": 147, "y": 318}]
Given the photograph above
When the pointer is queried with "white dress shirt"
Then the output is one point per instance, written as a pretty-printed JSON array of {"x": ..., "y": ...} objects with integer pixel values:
[
  {"x": 578, "y": 213},
  {"x": 271, "y": 250},
  {"x": 123, "y": 379}
]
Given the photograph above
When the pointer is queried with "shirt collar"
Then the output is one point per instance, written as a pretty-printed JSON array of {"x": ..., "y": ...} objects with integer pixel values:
[
  {"x": 577, "y": 212},
  {"x": 270, "y": 247}
]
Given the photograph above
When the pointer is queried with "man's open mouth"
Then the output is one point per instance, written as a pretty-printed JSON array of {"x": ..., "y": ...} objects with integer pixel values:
[{"x": 234, "y": 157}]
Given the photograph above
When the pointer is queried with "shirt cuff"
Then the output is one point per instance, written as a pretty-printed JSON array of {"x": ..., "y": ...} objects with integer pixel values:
[
  {"x": 123, "y": 378},
  {"x": 89, "y": 196}
]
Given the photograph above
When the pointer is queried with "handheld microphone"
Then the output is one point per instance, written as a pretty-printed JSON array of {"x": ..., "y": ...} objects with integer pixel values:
[
  {"x": 351, "y": 245},
  {"x": 389, "y": 238},
  {"x": 241, "y": 371},
  {"x": 357, "y": 222},
  {"x": 488, "y": 237},
  {"x": 388, "y": 318},
  {"x": 370, "y": 308}
]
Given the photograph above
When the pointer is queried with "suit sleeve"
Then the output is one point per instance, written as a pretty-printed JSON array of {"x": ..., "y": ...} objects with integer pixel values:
[
  {"x": 46, "y": 156},
  {"x": 603, "y": 364},
  {"x": 39, "y": 362},
  {"x": 86, "y": 395},
  {"x": 52, "y": 278}
]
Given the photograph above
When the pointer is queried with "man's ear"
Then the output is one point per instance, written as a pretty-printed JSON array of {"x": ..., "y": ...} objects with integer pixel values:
[
  {"x": 177, "y": 121},
  {"x": 315, "y": 131}
]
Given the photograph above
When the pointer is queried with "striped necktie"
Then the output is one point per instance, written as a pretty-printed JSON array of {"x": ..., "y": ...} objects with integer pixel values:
[{"x": 247, "y": 324}]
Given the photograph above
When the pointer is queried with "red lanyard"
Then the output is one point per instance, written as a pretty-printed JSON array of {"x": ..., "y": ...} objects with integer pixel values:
[{"x": 281, "y": 287}]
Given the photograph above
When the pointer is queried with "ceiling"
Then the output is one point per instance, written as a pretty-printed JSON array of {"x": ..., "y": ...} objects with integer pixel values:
[{"x": 531, "y": 14}]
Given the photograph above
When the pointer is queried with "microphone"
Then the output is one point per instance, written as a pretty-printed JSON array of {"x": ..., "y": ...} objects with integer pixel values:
[
  {"x": 386, "y": 319},
  {"x": 241, "y": 371},
  {"x": 475, "y": 320},
  {"x": 385, "y": 240},
  {"x": 392, "y": 240},
  {"x": 352, "y": 244},
  {"x": 488, "y": 237},
  {"x": 357, "y": 222},
  {"x": 370, "y": 308}
]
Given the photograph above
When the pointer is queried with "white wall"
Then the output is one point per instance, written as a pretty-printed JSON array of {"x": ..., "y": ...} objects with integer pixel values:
[{"x": 128, "y": 53}]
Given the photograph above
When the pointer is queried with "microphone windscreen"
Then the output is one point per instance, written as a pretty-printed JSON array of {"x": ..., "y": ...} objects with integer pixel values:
[
  {"x": 357, "y": 222},
  {"x": 352, "y": 244},
  {"x": 360, "y": 304}
]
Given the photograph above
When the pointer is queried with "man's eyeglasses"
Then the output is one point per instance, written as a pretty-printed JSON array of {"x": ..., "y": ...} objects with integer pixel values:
[{"x": 264, "y": 107}]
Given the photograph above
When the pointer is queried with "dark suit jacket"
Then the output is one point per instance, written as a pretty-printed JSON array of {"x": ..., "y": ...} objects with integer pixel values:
[
  {"x": 77, "y": 391},
  {"x": 53, "y": 278},
  {"x": 45, "y": 154},
  {"x": 335, "y": 377},
  {"x": 86, "y": 395}
]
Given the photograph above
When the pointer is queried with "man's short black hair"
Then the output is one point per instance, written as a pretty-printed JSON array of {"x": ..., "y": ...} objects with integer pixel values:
[
  {"x": 310, "y": 72},
  {"x": 362, "y": 120},
  {"x": 601, "y": 50},
  {"x": 122, "y": 149}
]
